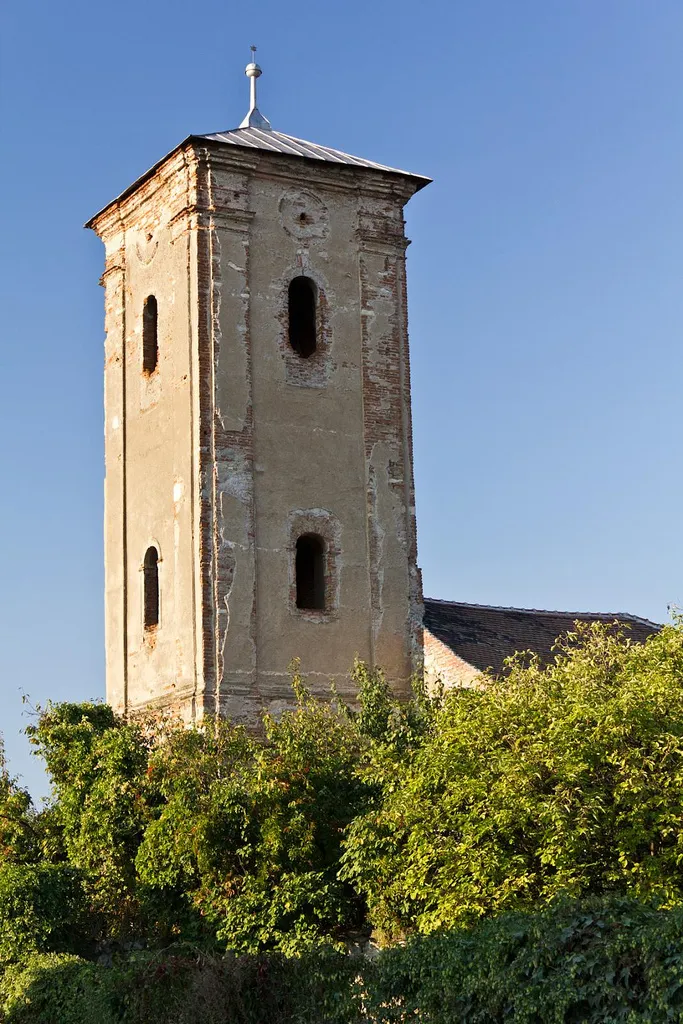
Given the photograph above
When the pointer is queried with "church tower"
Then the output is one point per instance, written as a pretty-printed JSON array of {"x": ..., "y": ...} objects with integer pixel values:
[{"x": 259, "y": 501}]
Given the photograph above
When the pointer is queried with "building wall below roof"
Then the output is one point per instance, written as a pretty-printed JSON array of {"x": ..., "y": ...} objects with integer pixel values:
[{"x": 443, "y": 667}]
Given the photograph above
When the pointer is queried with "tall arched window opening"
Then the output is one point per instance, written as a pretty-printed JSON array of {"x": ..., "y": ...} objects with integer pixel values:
[
  {"x": 310, "y": 572},
  {"x": 151, "y": 588},
  {"x": 302, "y": 316},
  {"x": 150, "y": 335}
]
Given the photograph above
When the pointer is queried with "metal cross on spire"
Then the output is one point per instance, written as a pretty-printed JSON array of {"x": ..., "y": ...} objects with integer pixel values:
[{"x": 254, "y": 118}]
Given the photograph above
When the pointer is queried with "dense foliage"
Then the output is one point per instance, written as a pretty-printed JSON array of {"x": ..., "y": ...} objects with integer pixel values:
[
  {"x": 18, "y": 838},
  {"x": 425, "y": 820},
  {"x": 181, "y": 985},
  {"x": 208, "y": 835},
  {"x": 549, "y": 783},
  {"x": 604, "y": 961}
]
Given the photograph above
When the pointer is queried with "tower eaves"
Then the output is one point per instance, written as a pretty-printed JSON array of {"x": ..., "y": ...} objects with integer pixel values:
[{"x": 288, "y": 145}]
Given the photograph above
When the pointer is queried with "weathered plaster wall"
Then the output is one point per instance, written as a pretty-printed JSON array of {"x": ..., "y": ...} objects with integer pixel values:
[
  {"x": 320, "y": 444},
  {"x": 150, "y": 460},
  {"x": 228, "y": 567},
  {"x": 444, "y": 668},
  {"x": 235, "y": 445}
]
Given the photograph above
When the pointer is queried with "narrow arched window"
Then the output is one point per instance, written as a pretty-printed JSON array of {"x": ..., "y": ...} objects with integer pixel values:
[
  {"x": 310, "y": 572},
  {"x": 302, "y": 316},
  {"x": 150, "y": 335},
  {"x": 151, "y": 588}
]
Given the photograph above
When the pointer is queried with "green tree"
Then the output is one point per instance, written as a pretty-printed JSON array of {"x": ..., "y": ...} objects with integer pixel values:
[
  {"x": 550, "y": 782},
  {"x": 97, "y": 764},
  {"x": 402, "y": 816},
  {"x": 19, "y": 838},
  {"x": 209, "y": 834},
  {"x": 249, "y": 831},
  {"x": 42, "y": 909},
  {"x": 603, "y": 960}
]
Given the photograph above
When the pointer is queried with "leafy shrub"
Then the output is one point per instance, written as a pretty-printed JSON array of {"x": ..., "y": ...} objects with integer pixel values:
[
  {"x": 565, "y": 781},
  {"x": 54, "y": 987},
  {"x": 406, "y": 817},
  {"x": 609, "y": 961},
  {"x": 97, "y": 765},
  {"x": 19, "y": 840},
  {"x": 42, "y": 908},
  {"x": 181, "y": 986},
  {"x": 251, "y": 831},
  {"x": 209, "y": 835},
  {"x": 593, "y": 962}
]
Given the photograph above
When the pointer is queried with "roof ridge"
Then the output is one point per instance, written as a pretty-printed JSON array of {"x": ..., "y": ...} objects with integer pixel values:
[
  {"x": 626, "y": 616},
  {"x": 251, "y": 136}
]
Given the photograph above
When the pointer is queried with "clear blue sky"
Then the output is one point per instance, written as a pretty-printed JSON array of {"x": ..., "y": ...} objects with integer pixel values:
[{"x": 546, "y": 300}]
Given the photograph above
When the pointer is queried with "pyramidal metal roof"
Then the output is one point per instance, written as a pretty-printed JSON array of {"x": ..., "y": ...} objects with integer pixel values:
[
  {"x": 255, "y": 132},
  {"x": 270, "y": 141},
  {"x": 277, "y": 142}
]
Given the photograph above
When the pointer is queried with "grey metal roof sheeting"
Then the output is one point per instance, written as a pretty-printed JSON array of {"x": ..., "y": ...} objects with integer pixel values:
[
  {"x": 270, "y": 141},
  {"x": 288, "y": 145}
]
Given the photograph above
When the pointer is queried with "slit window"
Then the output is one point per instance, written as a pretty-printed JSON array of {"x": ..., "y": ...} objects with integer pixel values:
[
  {"x": 310, "y": 572},
  {"x": 302, "y": 316},
  {"x": 150, "y": 335},
  {"x": 151, "y": 588}
]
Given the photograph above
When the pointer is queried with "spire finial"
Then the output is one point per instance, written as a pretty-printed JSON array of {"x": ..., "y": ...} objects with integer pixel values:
[{"x": 254, "y": 118}]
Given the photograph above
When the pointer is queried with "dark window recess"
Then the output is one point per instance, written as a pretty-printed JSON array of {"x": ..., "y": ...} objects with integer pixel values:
[
  {"x": 151, "y": 586},
  {"x": 302, "y": 316},
  {"x": 150, "y": 335},
  {"x": 310, "y": 572}
]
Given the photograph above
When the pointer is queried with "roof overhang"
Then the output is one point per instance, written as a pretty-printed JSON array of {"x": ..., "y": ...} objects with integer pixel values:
[{"x": 315, "y": 156}]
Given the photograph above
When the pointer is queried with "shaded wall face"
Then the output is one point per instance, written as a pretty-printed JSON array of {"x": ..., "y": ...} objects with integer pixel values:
[
  {"x": 159, "y": 454},
  {"x": 149, "y": 455},
  {"x": 316, "y": 445}
]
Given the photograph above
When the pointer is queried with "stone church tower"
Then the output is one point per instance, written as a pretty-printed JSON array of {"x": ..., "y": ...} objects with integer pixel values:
[{"x": 259, "y": 500}]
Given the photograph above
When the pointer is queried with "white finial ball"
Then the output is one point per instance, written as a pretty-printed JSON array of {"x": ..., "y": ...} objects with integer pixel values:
[{"x": 253, "y": 71}]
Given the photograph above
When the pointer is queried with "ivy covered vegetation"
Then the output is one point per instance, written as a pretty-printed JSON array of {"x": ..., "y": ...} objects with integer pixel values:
[{"x": 515, "y": 852}]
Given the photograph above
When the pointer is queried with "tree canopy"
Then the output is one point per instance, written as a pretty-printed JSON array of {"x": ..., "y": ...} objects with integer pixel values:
[
  {"x": 557, "y": 781},
  {"x": 387, "y": 819}
]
